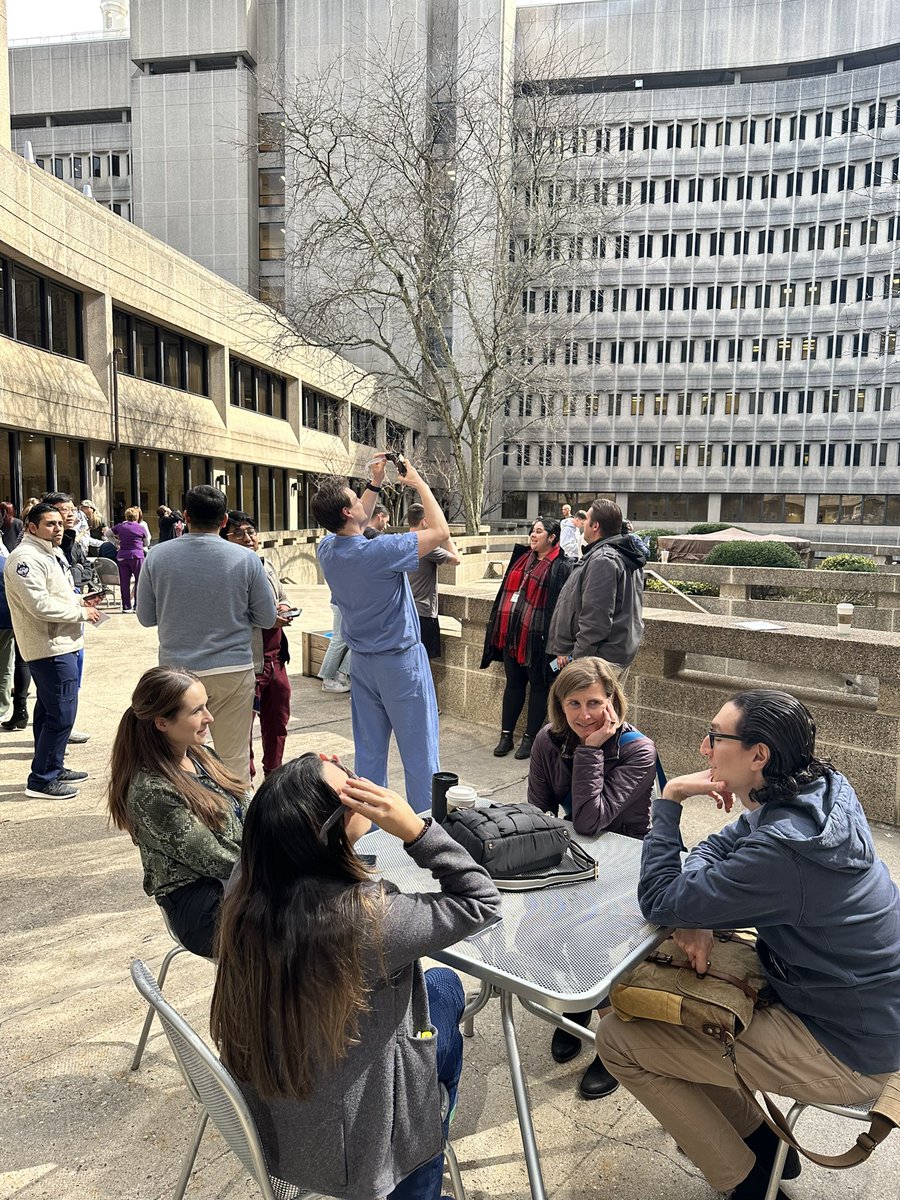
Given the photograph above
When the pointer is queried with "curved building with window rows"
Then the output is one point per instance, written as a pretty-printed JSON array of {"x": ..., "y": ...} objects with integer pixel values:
[{"x": 733, "y": 354}]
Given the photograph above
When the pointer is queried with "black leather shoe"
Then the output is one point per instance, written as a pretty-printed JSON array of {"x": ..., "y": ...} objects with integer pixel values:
[
  {"x": 764, "y": 1144},
  {"x": 504, "y": 746},
  {"x": 524, "y": 750},
  {"x": 566, "y": 1046},
  {"x": 597, "y": 1081}
]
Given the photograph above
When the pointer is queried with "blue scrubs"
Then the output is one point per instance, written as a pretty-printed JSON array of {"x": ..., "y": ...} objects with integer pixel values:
[{"x": 392, "y": 685}]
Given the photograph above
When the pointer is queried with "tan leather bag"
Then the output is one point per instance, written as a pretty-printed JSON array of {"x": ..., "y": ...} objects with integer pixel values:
[{"x": 665, "y": 987}]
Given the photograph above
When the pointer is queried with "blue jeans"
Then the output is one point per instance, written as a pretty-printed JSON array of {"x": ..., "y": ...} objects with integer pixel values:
[
  {"x": 56, "y": 682},
  {"x": 446, "y": 1001},
  {"x": 338, "y": 655}
]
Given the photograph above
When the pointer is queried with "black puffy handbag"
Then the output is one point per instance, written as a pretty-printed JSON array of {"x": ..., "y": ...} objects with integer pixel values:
[{"x": 520, "y": 846}]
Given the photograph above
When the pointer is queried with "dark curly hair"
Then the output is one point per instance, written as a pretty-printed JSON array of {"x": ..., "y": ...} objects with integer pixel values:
[{"x": 787, "y": 728}]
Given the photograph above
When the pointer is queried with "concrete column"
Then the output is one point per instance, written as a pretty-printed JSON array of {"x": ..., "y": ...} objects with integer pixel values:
[
  {"x": 4, "y": 81},
  {"x": 532, "y": 509},
  {"x": 219, "y": 381},
  {"x": 811, "y": 510},
  {"x": 714, "y": 512}
]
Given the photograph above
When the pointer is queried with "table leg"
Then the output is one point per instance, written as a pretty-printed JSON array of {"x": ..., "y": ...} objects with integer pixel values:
[
  {"x": 520, "y": 1093},
  {"x": 475, "y": 1005}
]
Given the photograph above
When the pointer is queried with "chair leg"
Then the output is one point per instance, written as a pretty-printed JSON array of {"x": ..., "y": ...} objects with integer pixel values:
[
  {"x": 456, "y": 1183},
  {"x": 781, "y": 1153},
  {"x": 148, "y": 1020},
  {"x": 191, "y": 1157}
]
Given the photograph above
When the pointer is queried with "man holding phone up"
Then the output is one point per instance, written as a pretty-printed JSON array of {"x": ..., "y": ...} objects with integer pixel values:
[
  {"x": 392, "y": 685},
  {"x": 48, "y": 621}
]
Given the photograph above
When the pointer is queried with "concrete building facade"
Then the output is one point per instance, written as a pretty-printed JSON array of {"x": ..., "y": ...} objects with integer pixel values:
[{"x": 730, "y": 355}]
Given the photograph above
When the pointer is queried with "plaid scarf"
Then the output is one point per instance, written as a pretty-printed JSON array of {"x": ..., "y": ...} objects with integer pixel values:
[{"x": 523, "y": 623}]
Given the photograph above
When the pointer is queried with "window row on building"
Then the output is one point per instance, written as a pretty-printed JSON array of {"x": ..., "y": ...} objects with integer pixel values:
[
  {"x": 711, "y": 189},
  {"x": 159, "y": 355},
  {"x": 722, "y": 350},
  {"x": 702, "y": 454},
  {"x": 80, "y": 168},
  {"x": 775, "y": 129},
  {"x": 703, "y": 404},
  {"x": 717, "y": 243},
  {"x": 39, "y": 311},
  {"x": 258, "y": 389},
  {"x": 715, "y": 297}
]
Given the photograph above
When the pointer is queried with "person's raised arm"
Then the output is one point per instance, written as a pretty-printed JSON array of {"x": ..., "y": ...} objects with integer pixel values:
[
  {"x": 370, "y": 498},
  {"x": 437, "y": 531}
]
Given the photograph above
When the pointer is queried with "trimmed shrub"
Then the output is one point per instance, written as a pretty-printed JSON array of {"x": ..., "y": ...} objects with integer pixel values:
[
  {"x": 753, "y": 554},
  {"x": 690, "y": 587},
  {"x": 848, "y": 562},
  {"x": 653, "y": 534},
  {"x": 714, "y": 527}
]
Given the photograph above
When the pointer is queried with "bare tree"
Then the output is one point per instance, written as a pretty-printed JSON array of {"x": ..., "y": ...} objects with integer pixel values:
[{"x": 430, "y": 211}]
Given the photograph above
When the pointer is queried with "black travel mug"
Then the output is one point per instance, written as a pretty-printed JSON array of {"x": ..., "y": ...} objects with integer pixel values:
[{"x": 440, "y": 784}]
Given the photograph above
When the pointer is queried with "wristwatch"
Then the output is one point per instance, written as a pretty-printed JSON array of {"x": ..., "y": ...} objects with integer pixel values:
[{"x": 371, "y": 487}]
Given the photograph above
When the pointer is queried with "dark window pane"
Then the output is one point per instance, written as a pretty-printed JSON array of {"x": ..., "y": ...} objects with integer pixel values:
[
  {"x": 171, "y": 355},
  {"x": 27, "y": 291},
  {"x": 515, "y": 505},
  {"x": 122, "y": 342},
  {"x": 271, "y": 240},
  {"x": 63, "y": 320},
  {"x": 873, "y": 510},
  {"x": 145, "y": 337},
  {"x": 245, "y": 393},
  {"x": 271, "y": 187},
  {"x": 264, "y": 392},
  {"x": 196, "y": 369}
]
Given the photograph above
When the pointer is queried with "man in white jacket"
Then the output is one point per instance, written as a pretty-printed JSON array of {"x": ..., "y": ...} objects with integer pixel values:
[{"x": 48, "y": 621}]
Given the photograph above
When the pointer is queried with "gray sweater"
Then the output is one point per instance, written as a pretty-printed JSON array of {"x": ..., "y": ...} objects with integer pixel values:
[
  {"x": 205, "y": 595},
  {"x": 375, "y": 1116}
]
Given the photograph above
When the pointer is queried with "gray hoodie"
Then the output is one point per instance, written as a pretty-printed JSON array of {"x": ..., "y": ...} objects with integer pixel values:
[
  {"x": 805, "y": 874},
  {"x": 600, "y": 609}
]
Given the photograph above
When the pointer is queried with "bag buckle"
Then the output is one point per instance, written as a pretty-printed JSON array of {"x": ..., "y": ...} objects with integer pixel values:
[{"x": 866, "y": 1143}]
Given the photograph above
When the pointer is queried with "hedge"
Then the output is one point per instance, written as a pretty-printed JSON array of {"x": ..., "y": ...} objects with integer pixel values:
[
  {"x": 714, "y": 527},
  {"x": 690, "y": 587},
  {"x": 848, "y": 562},
  {"x": 753, "y": 554},
  {"x": 653, "y": 534}
]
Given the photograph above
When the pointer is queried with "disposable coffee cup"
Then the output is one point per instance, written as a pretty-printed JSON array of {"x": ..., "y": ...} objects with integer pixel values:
[
  {"x": 664, "y": 556},
  {"x": 440, "y": 784},
  {"x": 845, "y": 618},
  {"x": 461, "y": 796}
]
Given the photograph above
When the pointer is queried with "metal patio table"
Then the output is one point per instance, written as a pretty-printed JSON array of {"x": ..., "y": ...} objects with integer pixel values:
[{"x": 558, "y": 949}]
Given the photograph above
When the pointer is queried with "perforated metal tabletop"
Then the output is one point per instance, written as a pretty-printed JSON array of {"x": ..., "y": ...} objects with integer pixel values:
[{"x": 561, "y": 946}]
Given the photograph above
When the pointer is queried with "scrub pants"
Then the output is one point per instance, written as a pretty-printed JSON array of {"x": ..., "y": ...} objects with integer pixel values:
[
  {"x": 446, "y": 1001},
  {"x": 395, "y": 692},
  {"x": 56, "y": 680}
]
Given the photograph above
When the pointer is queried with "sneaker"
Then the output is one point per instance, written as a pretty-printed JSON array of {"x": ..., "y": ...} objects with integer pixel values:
[
  {"x": 333, "y": 685},
  {"x": 77, "y": 739},
  {"x": 72, "y": 776},
  {"x": 53, "y": 791}
]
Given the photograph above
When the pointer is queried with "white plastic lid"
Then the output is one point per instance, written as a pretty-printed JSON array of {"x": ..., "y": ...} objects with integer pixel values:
[{"x": 461, "y": 796}]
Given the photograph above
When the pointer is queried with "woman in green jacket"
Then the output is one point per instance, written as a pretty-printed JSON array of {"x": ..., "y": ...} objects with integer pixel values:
[{"x": 183, "y": 809}]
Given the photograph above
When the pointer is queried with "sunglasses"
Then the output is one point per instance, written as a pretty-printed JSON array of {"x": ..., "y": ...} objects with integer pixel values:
[
  {"x": 341, "y": 810},
  {"x": 714, "y": 736}
]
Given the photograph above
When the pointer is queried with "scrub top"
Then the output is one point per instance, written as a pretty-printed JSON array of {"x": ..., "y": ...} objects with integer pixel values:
[{"x": 369, "y": 585}]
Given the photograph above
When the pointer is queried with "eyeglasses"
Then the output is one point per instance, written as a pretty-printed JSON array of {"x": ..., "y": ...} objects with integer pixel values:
[{"x": 713, "y": 735}]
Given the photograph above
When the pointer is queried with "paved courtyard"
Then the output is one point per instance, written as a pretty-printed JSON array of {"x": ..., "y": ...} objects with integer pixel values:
[{"x": 76, "y": 1124}]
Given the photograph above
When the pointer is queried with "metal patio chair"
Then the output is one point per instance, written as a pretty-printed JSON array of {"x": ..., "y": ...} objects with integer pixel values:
[
  {"x": 221, "y": 1100},
  {"x": 853, "y": 1112},
  {"x": 160, "y": 980}
]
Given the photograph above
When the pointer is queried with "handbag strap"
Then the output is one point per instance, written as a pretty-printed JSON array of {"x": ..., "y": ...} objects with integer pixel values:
[
  {"x": 631, "y": 735},
  {"x": 667, "y": 960},
  {"x": 880, "y": 1125}
]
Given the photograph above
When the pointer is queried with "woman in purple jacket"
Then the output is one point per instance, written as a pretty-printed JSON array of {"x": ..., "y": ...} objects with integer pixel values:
[
  {"x": 599, "y": 770},
  {"x": 132, "y": 540}
]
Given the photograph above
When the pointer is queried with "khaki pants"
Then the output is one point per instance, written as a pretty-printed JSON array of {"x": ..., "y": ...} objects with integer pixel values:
[
  {"x": 682, "y": 1078},
  {"x": 231, "y": 704}
]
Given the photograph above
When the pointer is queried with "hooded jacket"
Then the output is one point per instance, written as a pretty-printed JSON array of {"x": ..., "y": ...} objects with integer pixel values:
[
  {"x": 805, "y": 874},
  {"x": 600, "y": 609}
]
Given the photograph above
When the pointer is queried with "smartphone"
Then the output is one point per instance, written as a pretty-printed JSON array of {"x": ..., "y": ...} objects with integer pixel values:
[
  {"x": 398, "y": 460},
  {"x": 554, "y": 666},
  {"x": 94, "y": 594},
  {"x": 291, "y": 612},
  {"x": 368, "y": 860}
]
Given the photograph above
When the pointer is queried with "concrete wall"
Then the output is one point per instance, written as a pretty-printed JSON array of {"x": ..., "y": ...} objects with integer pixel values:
[
  {"x": 166, "y": 28},
  {"x": 673, "y": 703},
  {"x": 623, "y": 36}
]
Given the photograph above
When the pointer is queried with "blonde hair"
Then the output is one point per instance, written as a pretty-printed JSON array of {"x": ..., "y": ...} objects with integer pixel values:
[
  {"x": 133, "y": 513},
  {"x": 578, "y": 675}
]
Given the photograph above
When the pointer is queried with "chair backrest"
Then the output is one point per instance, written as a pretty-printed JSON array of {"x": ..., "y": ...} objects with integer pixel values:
[
  {"x": 106, "y": 569},
  {"x": 209, "y": 1082}
]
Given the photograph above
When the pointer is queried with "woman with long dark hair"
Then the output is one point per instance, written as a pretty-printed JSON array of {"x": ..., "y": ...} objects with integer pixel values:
[
  {"x": 183, "y": 809},
  {"x": 800, "y": 867},
  {"x": 517, "y": 631},
  {"x": 11, "y": 527},
  {"x": 321, "y": 1009}
]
